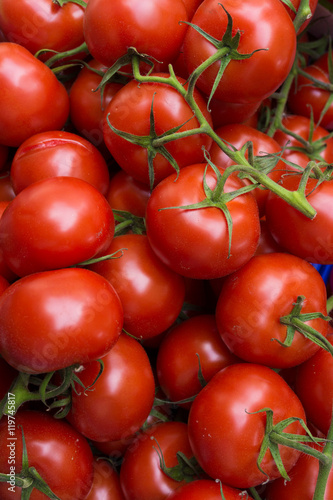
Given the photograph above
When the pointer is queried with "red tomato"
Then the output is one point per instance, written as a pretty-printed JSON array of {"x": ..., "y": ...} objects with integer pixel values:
[
  {"x": 129, "y": 111},
  {"x": 141, "y": 475},
  {"x": 42, "y": 24},
  {"x": 151, "y": 293},
  {"x": 303, "y": 478},
  {"x": 267, "y": 288},
  {"x": 7, "y": 273},
  {"x": 191, "y": 6},
  {"x": 126, "y": 193},
  {"x": 224, "y": 113},
  {"x": 227, "y": 438},
  {"x": 55, "y": 154},
  {"x": 55, "y": 223},
  {"x": 87, "y": 105},
  {"x": 122, "y": 397},
  {"x": 70, "y": 316},
  {"x": 237, "y": 135},
  {"x": 59, "y": 453},
  {"x": 310, "y": 239},
  {"x": 34, "y": 100},
  {"x": 177, "y": 364},
  {"x": 267, "y": 243},
  {"x": 207, "y": 489},
  {"x": 153, "y": 28},
  {"x": 319, "y": 147},
  {"x": 262, "y": 26},
  {"x": 195, "y": 243},
  {"x": 308, "y": 99},
  {"x": 106, "y": 483},
  {"x": 314, "y": 387}
]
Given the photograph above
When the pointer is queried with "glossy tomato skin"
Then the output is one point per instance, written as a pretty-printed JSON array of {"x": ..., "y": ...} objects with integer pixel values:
[
  {"x": 140, "y": 474},
  {"x": 239, "y": 134},
  {"x": 177, "y": 363},
  {"x": 153, "y": 28},
  {"x": 303, "y": 478},
  {"x": 70, "y": 316},
  {"x": 263, "y": 25},
  {"x": 122, "y": 397},
  {"x": 34, "y": 101},
  {"x": 59, "y": 453},
  {"x": 42, "y": 24},
  {"x": 310, "y": 239},
  {"x": 86, "y": 103},
  {"x": 226, "y": 439},
  {"x": 195, "y": 243},
  {"x": 254, "y": 298},
  {"x": 314, "y": 387},
  {"x": 306, "y": 98},
  {"x": 207, "y": 489},
  {"x": 126, "y": 193},
  {"x": 129, "y": 111},
  {"x": 56, "y": 154},
  {"x": 106, "y": 483},
  {"x": 151, "y": 293},
  {"x": 55, "y": 223}
]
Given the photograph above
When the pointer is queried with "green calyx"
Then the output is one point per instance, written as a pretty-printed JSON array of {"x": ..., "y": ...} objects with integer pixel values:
[
  {"x": 296, "y": 322},
  {"x": 27, "y": 387},
  {"x": 28, "y": 479},
  {"x": 275, "y": 436},
  {"x": 187, "y": 469},
  {"x": 226, "y": 51}
]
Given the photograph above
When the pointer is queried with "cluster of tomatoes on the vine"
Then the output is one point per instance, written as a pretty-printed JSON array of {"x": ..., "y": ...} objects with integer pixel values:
[{"x": 166, "y": 243}]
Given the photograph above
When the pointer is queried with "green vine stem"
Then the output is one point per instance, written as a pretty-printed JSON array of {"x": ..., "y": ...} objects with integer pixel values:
[
  {"x": 296, "y": 199},
  {"x": 325, "y": 467}
]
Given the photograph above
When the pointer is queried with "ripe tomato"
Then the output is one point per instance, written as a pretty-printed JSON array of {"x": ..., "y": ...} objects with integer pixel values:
[
  {"x": 308, "y": 99},
  {"x": 122, "y": 397},
  {"x": 5, "y": 272},
  {"x": 195, "y": 243},
  {"x": 264, "y": 27},
  {"x": 129, "y": 111},
  {"x": 59, "y": 453},
  {"x": 70, "y": 316},
  {"x": 106, "y": 483},
  {"x": 55, "y": 223},
  {"x": 185, "y": 345},
  {"x": 303, "y": 478},
  {"x": 319, "y": 147},
  {"x": 33, "y": 101},
  {"x": 207, "y": 489},
  {"x": 314, "y": 387},
  {"x": 42, "y": 24},
  {"x": 87, "y": 105},
  {"x": 310, "y": 239},
  {"x": 153, "y": 28},
  {"x": 151, "y": 293},
  {"x": 55, "y": 154},
  {"x": 237, "y": 135},
  {"x": 226, "y": 439},
  {"x": 267, "y": 288},
  {"x": 191, "y": 6},
  {"x": 126, "y": 193},
  {"x": 141, "y": 475}
]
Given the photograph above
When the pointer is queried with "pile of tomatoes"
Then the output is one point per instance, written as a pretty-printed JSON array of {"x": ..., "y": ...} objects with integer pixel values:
[{"x": 166, "y": 245}]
